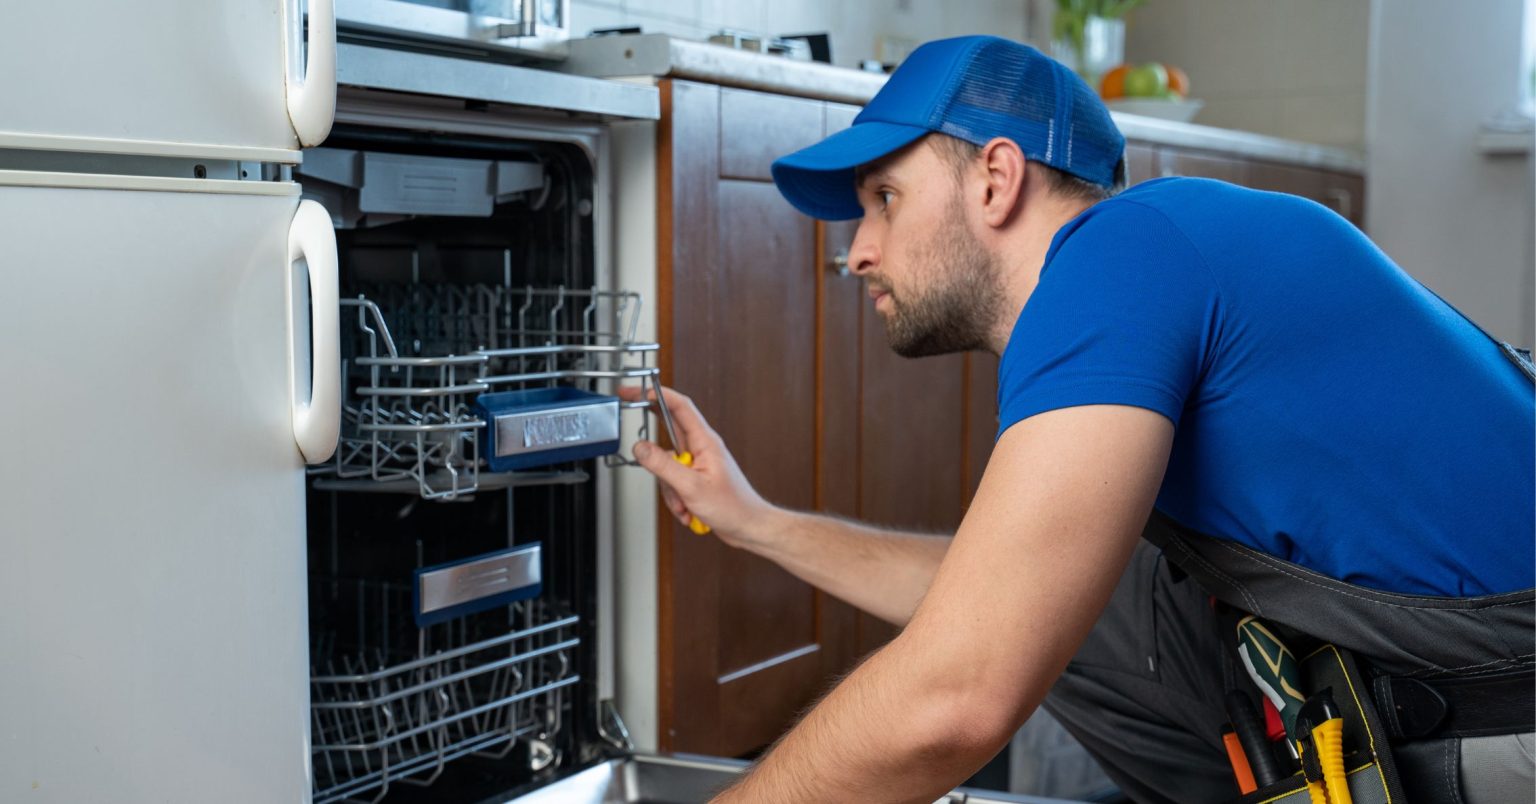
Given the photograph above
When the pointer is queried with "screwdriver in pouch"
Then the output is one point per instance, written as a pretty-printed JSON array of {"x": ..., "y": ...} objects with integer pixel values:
[
  {"x": 680, "y": 450},
  {"x": 1273, "y": 669},
  {"x": 1250, "y": 735}
]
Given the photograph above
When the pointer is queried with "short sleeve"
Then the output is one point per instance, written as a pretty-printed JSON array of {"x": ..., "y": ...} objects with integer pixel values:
[{"x": 1124, "y": 313}]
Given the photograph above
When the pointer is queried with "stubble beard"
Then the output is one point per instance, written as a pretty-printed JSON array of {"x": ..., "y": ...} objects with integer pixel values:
[{"x": 962, "y": 303}]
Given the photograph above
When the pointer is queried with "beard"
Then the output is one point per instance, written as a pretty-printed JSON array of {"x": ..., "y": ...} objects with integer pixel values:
[{"x": 962, "y": 302}]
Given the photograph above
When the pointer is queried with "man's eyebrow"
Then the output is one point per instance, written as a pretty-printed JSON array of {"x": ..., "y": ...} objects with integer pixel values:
[{"x": 863, "y": 173}]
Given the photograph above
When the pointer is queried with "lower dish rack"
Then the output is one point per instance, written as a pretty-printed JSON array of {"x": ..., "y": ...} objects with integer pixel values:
[
  {"x": 392, "y": 702},
  {"x": 420, "y": 357}
]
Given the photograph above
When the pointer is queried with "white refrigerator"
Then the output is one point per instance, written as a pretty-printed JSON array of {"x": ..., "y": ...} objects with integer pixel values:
[{"x": 165, "y": 383}]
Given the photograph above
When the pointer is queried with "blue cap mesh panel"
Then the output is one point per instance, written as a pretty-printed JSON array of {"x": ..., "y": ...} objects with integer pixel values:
[{"x": 1014, "y": 91}]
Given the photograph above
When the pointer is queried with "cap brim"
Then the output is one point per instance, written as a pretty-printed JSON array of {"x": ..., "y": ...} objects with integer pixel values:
[{"x": 819, "y": 180}]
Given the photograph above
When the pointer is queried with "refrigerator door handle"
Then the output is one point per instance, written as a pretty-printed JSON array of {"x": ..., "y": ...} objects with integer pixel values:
[
  {"x": 312, "y": 98},
  {"x": 316, "y": 420}
]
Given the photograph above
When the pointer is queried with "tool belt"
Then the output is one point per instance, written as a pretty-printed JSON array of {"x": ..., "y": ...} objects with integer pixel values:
[{"x": 1404, "y": 671}]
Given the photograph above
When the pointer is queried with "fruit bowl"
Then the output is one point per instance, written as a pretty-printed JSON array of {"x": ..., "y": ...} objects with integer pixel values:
[{"x": 1181, "y": 111}]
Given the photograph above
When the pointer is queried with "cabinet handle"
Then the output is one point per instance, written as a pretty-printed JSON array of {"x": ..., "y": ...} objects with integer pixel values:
[
  {"x": 1343, "y": 200},
  {"x": 839, "y": 263}
]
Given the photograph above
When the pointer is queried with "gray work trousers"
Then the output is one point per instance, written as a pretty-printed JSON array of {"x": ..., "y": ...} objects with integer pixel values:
[{"x": 1144, "y": 697}]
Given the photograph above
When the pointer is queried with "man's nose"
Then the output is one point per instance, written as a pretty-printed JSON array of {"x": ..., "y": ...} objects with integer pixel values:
[{"x": 863, "y": 255}]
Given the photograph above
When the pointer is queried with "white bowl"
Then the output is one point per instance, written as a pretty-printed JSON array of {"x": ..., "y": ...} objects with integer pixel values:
[{"x": 1181, "y": 111}]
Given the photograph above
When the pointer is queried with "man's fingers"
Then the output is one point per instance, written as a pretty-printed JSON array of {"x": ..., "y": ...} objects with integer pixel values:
[
  {"x": 695, "y": 431},
  {"x": 663, "y": 465},
  {"x": 674, "y": 503}
]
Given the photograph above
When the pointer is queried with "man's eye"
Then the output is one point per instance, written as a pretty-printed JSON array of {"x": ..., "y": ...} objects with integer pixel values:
[{"x": 885, "y": 197}]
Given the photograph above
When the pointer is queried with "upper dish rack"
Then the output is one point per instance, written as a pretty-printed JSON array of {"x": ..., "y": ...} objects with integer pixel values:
[{"x": 421, "y": 356}]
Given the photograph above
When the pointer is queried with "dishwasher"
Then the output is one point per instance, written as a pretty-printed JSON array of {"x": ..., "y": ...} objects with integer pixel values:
[{"x": 453, "y": 539}]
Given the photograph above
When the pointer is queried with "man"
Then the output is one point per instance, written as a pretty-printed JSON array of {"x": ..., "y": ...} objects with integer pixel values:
[{"x": 1248, "y": 363}]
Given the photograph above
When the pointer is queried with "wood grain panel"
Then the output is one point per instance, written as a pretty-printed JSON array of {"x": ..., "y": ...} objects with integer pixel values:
[
  {"x": 838, "y": 332},
  {"x": 980, "y": 417},
  {"x": 1178, "y": 162},
  {"x": 740, "y": 639},
  {"x": 765, "y": 387},
  {"x": 757, "y": 128},
  {"x": 688, "y": 608},
  {"x": 911, "y": 448},
  {"x": 1344, "y": 193}
]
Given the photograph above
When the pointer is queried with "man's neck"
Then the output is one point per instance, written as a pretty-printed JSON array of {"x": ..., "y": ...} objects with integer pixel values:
[{"x": 1022, "y": 257}]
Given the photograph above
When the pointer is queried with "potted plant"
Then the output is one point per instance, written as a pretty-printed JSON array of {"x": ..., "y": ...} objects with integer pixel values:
[{"x": 1089, "y": 35}]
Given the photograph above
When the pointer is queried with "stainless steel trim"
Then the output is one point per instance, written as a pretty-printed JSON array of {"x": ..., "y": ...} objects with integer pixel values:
[
  {"x": 519, "y": 433},
  {"x": 405, "y": 71},
  {"x": 493, "y": 575},
  {"x": 647, "y": 777}
]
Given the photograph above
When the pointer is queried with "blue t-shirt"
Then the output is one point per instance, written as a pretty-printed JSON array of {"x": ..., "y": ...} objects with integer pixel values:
[{"x": 1328, "y": 409}]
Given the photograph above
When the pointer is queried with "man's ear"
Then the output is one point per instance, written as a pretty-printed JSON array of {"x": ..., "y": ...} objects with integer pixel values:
[{"x": 1006, "y": 172}]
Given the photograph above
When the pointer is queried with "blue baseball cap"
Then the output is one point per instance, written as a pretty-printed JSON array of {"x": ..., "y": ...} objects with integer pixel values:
[{"x": 974, "y": 88}]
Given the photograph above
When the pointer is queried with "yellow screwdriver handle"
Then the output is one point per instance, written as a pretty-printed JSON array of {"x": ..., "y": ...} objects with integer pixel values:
[{"x": 694, "y": 524}]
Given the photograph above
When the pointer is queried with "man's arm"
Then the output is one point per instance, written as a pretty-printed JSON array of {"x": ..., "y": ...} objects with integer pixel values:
[
  {"x": 883, "y": 572},
  {"x": 1063, "y": 500}
]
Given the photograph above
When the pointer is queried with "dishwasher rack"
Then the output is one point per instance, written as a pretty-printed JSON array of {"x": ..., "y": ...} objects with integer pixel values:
[
  {"x": 421, "y": 354},
  {"x": 394, "y": 703}
]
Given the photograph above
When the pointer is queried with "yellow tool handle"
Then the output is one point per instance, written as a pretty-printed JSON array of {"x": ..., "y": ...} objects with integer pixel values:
[
  {"x": 1329, "y": 739},
  {"x": 686, "y": 458}
]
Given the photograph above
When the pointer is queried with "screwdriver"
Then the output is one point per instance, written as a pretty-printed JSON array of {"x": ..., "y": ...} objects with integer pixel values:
[
  {"x": 1273, "y": 668},
  {"x": 1250, "y": 735},
  {"x": 680, "y": 450}
]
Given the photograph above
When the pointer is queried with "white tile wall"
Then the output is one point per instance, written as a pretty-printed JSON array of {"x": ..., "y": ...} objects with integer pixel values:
[
  {"x": 860, "y": 29},
  {"x": 1292, "y": 69}
]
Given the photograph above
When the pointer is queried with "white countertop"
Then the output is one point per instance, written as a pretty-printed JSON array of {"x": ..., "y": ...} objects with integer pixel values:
[{"x": 659, "y": 55}]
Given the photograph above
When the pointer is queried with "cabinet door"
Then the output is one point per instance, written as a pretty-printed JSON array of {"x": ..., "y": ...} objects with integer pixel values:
[
  {"x": 1180, "y": 162},
  {"x": 908, "y": 457},
  {"x": 741, "y": 641},
  {"x": 1341, "y": 192},
  {"x": 1344, "y": 193}
]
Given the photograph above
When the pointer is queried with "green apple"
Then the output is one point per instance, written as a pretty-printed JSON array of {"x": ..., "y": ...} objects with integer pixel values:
[{"x": 1146, "y": 81}]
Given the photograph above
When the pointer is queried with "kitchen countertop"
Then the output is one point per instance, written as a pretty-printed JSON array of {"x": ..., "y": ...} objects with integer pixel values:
[{"x": 660, "y": 55}]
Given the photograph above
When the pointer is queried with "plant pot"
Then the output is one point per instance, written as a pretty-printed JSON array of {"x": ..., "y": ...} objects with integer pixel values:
[{"x": 1103, "y": 48}]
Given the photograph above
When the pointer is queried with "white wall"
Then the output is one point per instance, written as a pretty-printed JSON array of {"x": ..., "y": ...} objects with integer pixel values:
[
  {"x": 860, "y": 29},
  {"x": 1287, "y": 68},
  {"x": 1460, "y": 221}
]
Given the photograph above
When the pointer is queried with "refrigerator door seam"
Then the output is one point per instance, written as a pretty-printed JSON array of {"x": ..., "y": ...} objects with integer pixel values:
[{"x": 105, "y": 181}]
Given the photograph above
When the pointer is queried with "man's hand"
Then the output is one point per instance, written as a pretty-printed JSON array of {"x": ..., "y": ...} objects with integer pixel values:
[{"x": 713, "y": 488}]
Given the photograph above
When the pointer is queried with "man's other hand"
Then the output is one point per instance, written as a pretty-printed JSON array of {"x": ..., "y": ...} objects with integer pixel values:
[{"x": 713, "y": 487}]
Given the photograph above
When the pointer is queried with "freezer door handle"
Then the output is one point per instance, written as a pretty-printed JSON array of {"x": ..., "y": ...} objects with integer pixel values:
[
  {"x": 317, "y": 412},
  {"x": 312, "y": 97}
]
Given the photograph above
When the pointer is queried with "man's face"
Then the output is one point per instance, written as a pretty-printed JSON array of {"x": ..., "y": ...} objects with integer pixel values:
[{"x": 934, "y": 284}]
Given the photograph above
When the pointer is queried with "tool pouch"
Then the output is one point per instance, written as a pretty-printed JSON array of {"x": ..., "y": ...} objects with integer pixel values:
[{"x": 1368, "y": 764}]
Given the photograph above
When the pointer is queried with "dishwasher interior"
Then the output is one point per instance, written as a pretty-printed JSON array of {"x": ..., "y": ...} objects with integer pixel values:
[{"x": 452, "y": 540}]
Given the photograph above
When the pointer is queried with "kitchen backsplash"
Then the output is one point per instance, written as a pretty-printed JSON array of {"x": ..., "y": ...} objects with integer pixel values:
[{"x": 1294, "y": 69}]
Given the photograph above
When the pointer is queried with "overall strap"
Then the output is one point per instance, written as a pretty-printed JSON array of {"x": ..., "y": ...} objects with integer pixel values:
[{"x": 1404, "y": 635}]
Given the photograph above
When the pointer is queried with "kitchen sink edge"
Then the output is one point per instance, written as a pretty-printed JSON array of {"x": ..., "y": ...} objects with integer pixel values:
[{"x": 692, "y": 779}]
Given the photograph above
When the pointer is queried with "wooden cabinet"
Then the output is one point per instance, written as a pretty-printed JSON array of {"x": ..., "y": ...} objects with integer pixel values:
[
  {"x": 1344, "y": 193},
  {"x": 787, "y": 359}
]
